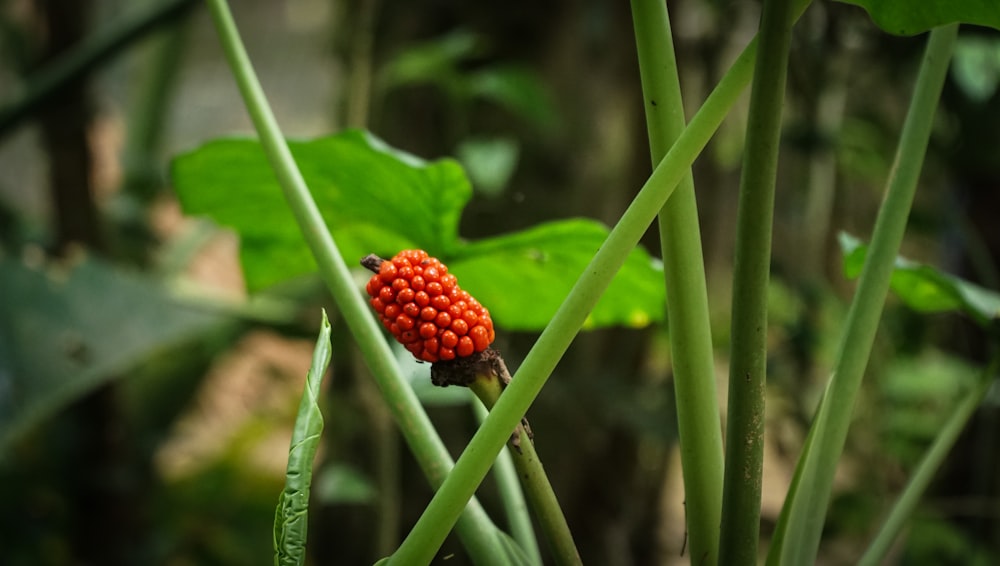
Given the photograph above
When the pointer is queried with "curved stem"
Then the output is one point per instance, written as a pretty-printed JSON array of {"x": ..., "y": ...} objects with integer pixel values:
[
  {"x": 475, "y": 528},
  {"x": 804, "y": 513},
  {"x": 512, "y": 496},
  {"x": 488, "y": 386}
]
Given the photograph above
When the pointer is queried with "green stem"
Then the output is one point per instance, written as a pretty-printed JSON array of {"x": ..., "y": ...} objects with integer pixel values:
[
  {"x": 805, "y": 507},
  {"x": 475, "y": 528},
  {"x": 91, "y": 53},
  {"x": 512, "y": 496},
  {"x": 535, "y": 482},
  {"x": 928, "y": 465},
  {"x": 691, "y": 353},
  {"x": 751, "y": 273},
  {"x": 431, "y": 529}
]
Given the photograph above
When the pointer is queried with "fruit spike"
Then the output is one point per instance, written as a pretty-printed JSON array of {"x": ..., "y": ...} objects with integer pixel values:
[{"x": 423, "y": 307}]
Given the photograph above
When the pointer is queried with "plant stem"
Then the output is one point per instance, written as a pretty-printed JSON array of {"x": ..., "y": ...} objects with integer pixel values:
[
  {"x": 92, "y": 52},
  {"x": 511, "y": 495},
  {"x": 475, "y": 528},
  {"x": 805, "y": 508},
  {"x": 928, "y": 465},
  {"x": 470, "y": 469},
  {"x": 751, "y": 274},
  {"x": 691, "y": 353},
  {"x": 487, "y": 385}
]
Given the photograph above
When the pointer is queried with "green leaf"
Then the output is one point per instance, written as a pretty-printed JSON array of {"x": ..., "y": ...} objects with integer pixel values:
[
  {"x": 66, "y": 331},
  {"x": 292, "y": 512},
  {"x": 524, "y": 277},
  {"x": 378, "y": 200},
  {"x": 976, "y": 66},
  {"x": 341, "y": 483},
  {"x": 924, "y": 288},
  {"x": 909, "y": 17},
  {"x": 518, "y": 89},
  {"x": 433, "y": 62},
  {"x": 490, "y": 162},
  {"x": 374, "y": 199}
]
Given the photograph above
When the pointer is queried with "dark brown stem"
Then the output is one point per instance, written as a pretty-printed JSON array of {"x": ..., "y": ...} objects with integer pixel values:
[{"x": 372, "y": 262}]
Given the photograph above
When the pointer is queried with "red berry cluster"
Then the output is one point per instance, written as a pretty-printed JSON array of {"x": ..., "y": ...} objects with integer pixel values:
[{"x": 421, "y": 304}]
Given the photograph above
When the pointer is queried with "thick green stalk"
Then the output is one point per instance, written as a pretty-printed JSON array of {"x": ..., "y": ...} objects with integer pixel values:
[
  {"x": 535, "y": 482},
  {"x": 751, "y": 274},
  {"x": 925, "y": 470},
  {"x": 431, "y": 529},
  {"x": 805, "y": 507},
  {"x": 475, "y": 528},
  {"x": 512, "y": 496},
  {"x": 697, "y": 403}
]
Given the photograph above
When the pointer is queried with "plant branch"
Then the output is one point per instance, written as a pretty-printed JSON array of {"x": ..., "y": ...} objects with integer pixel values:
[
  {"x": 693, "y": 361},
  {"x": 475, "y": 529},
  {"x": 511, "y": 495},
  {"x": 751, "y": 274},
  {"x": 489, "y": 382},
  {"x": 804, "y": 513}
]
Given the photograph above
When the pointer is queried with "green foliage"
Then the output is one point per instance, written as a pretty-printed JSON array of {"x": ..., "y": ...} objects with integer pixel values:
[
  {"x": 340, "y": 483},
  {"x": 926, "y": 289},
  {"x": 439, "y": 62},
  {"x": 976, "y": 66},
  {"x": 490, "y": 162},
  {"x": 918, "y": 395},
  {"x": 934, "y": 540},
  {"x": 524, "y": 277},
  {"x": 67, "y": 330},
  {"x": 374, "y": 199},
  {"x": 906, "y": 17},
  {"x": 378, "y": 200},
  {"x": 292, "y": 512}
]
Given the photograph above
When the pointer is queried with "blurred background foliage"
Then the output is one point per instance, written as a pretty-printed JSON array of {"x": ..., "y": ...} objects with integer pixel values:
[{"x": 146, "y": 400}]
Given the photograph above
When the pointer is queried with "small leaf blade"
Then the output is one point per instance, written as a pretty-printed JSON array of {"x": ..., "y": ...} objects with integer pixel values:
[{"x": 291, "y": 513}]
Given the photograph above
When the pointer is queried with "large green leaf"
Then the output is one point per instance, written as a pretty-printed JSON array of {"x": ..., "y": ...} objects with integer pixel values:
[
  {"x": 524, "y": 277},
  {"x": 909, "y": 17},
  {"x": 926, "y": 289},
  {"x": 378, "y": 200},
  {"x": 375, "y": 200},
  {"x": 66, "y": 331}
]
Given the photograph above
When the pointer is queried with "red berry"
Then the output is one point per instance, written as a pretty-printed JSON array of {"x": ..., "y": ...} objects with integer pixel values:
[
  {"x": 421, "y": 298},
  {"x": 443, "y": 320},
  {"x": 387, "y": 272},
  {"x": 424, "y": 308},
  {"x": 405, "y": 296},
  {"x": 428, "y": 330},
  {"x": 460, "y": 327},
  {"x": 391, "y": 311},
  {"x": 480, "y": 337},
  {"x": 465, "y": 346}
]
